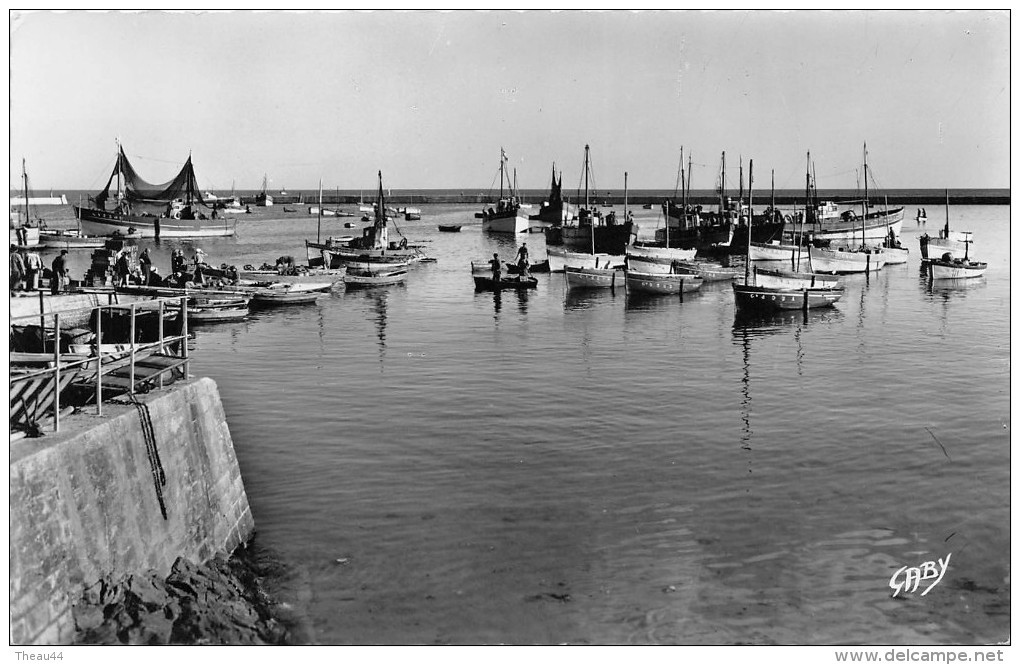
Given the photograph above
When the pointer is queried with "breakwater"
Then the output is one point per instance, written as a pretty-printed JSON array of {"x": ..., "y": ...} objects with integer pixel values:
[{"x": 127, "y": 493}]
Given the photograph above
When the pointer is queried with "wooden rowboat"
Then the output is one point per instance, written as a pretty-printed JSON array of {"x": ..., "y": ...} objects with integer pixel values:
[
  {"x": 449, "y": 228},
  {"x": 662, "y": 283},
  {"x": 483, "y": 283},
  {"x": 356, "y": 277}
]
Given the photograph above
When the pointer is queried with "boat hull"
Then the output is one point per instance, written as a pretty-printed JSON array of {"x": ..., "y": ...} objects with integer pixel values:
[
  {"x": 516, "y": 224},
  {"x": 775, "y": 252},
  {"x": 840, "y": 262},
  {"x": 104, "y": 223},
  {"x": 876, "y": 227},
  {"x": 483, "y": 283},
  {"x": 360, "y": 277},
  {"x": 706, "y": 271},
  {"x": 789, "y": 279},
  {"x": 956, "y": 269},
  {"x": 661, "y": 284},
  {"x": 590, "y": 278},
  {"x": 937, "y": 248},
  {"x": 561, "y": 258},
  {"x": 762, "y": 298}
]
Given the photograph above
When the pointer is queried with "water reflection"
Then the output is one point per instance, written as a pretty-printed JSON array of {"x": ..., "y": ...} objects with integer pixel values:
[
  {"x": 759, "y": 324},
  {"x": 378, "y": 300},
  {"x": 578, "y": 299}
]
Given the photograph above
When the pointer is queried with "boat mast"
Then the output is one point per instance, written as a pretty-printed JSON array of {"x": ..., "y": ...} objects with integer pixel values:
[
  {"x": 318, "y": 228},
  {"x": 946, "y": 232},
  {"x": 864, "y": 215},
  {"x": 683, "y": 193},
  {"x": 502, "y": 161},
  {"x": 722, "y": 187},
  {"x": 24, "y": 177},
  {"x": 624, "y": 197},
  {"x": 747, "y": 261}
]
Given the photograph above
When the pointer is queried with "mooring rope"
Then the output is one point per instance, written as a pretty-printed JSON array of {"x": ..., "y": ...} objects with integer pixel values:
[{"x": 151, "y": 451}]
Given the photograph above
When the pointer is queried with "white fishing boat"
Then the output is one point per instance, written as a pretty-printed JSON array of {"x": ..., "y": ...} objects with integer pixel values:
[
  {"x": 955, "y": 268},
  {"x": 282, "y": 293},
  {"x": 375, "y": 277},
  {"x": 709, "y": 272},
  {"x": 792, "y": 279},
  {"x": 506, "y": 217},
  {"x": 954, "y": 243},
  {"x": 774, "y": 251},
  {"x": 560, "y": 258},
  {"x": 845, "y": 260}
]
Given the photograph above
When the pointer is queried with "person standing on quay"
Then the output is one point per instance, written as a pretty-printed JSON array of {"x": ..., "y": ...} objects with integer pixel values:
[
  {"x": 59, "y": 268},
  {"x": 33, "y": 267},
  {"x": 17, "y": 268},
  {"x": 146, "y": 262}
]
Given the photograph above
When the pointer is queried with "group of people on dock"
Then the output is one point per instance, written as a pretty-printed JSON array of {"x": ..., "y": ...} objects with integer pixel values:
[{"x": 27, "y": 270}]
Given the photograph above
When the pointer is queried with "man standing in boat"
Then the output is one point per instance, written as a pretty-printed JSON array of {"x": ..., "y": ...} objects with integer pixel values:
[
  {"x": 146, "y": 262},
  {"x": 496, "y": 268},
  {"x": 522, "y": 261}
]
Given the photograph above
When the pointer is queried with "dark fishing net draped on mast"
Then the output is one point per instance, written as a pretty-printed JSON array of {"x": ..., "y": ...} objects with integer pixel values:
[{"x": 136, "y": 190}]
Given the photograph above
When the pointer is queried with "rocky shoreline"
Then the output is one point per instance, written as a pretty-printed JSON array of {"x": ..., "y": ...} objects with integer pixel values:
[{"x": 219, "y": 602}]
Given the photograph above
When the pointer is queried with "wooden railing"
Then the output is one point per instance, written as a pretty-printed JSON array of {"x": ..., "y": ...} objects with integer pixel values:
[{"x": 171, "y": 359}]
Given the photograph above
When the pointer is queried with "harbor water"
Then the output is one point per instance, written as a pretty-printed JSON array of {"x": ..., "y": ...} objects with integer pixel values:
[{"x": 429, "y": 464}]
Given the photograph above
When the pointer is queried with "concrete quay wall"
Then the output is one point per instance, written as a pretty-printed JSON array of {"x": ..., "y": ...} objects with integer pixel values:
[{"x": 85, "y": 502}]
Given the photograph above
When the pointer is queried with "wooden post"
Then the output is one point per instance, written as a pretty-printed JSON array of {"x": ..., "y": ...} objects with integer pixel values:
[
  {"x": 160, "y": 333},
  {"x": 681, "y": 289},
  {"x": 806, "y": 297},
  {"x": 131, "y": 372},
  {"x": 99, "y": 361},
  {"x": 56, "y": 372},
  {"x": 42, "y": 320},
  {"x": 184, "y": 331}
]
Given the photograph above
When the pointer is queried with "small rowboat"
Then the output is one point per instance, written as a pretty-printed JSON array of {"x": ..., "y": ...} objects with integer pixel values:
[
  {"x": 589, "y": 278},
  {"x": 379, "y": 277},
  {"x": 217, "y": 314},
  {"x": 710, "y": 272},
  {"x": 764, "y": 298},
  {"x": 662, "y": 283},
  {"x": 288, "y": 294},
  {"x": 955, "y": 268},
  {"x": 449, "y": 228},
  {"x": 483, "y": 283}
]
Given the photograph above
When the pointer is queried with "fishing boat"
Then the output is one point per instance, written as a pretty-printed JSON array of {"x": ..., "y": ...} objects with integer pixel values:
[
  {"x": 168, "y": 210},
  {"x": 827, "y": 223},
  {"x": 69, "y": 239},
  {"x": 707, "y": 271},
  {"x": 560, "y": 258},
  {"x": 23, "y": 233},
  {"x": 792, "y": 279},
  {"x": 373, "y": 248},
  {"x": 922, "y": 216},
  {"x": 555, "y": 211},
  {"x": 590, "y": 278},
  {"x": 774, "y": 251},
  {"x": 281, "y": 293},
  {"x": 662, "y": 283},
  {"x": 595, "y": 278},
  {"x": 607, "y": 234},
  {"x": 450, "y": 228},
  {"x": 506, "y": 216},
  {"x": 954, "y": 243},
  {"x": 648, "y": 258},
  {"x": 845, "y": 260},
  {"x": 688, "y": 225},
  {"x": 487, "y": 283},
  {"x": 264, "y": 198},
  {"x": 750, "y": 295},
  {"x": 950, "y": 268},
  {"x": 375, "y": 277}
]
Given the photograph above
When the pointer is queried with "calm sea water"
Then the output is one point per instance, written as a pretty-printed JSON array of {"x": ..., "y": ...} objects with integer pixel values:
[{"x": 429, "y": 464}]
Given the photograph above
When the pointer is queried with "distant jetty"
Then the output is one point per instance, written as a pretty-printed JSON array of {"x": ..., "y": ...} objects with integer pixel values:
[{"x": 785, "y": 198}]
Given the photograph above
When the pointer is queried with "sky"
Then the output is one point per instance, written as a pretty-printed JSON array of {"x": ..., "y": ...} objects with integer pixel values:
[{"x": 430, "y": 98}]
